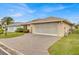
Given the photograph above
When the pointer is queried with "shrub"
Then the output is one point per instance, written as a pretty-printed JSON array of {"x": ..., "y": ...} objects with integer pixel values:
[
  {"x": 1, "y": 31},
  {"x": 26, "y": 31},
  {"x": 22, "y": 30},
  {"x": 19, "y": 30},
  {"x": 76, "y": 31}
]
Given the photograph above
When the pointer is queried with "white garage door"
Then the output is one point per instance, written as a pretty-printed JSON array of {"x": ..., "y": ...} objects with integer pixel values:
[{"x": 46, "y": 28}]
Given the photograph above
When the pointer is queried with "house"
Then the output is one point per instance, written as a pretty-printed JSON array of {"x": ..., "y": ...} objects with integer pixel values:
[
  {"x": 14, "y": 26},
  {"x": 51, "y": 26},
  {"x": 48, "y": 26}
]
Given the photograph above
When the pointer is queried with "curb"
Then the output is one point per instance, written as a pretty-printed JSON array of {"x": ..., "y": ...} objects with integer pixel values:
[
  {"x": 5, "y": 51},
  {"x": 18, "y": 53}
]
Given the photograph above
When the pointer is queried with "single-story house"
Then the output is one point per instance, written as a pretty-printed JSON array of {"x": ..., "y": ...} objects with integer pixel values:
[
  {"x": 13, "y": 27},
  {"x": 48, "y": 26},
  {"x": 51, "y": 26}
]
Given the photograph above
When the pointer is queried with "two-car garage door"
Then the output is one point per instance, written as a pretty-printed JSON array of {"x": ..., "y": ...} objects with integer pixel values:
[{"x": 45, "y": 28}]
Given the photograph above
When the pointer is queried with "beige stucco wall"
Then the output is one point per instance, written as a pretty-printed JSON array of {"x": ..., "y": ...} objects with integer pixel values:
[
  {"x": 60, "y": 29},
  {"x": 63, "y": 28},
  {"x": 29, "y": 27}
]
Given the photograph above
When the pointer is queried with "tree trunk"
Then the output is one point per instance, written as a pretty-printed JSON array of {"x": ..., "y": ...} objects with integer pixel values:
[{"x": 5, "y": 30}]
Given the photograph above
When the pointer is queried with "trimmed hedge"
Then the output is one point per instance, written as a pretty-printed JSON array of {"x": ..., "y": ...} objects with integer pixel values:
[
  {"x": 22, "y": 30},
  {"x": 19, "y": 30}
]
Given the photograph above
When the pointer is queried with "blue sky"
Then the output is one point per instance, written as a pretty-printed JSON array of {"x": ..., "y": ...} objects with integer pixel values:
[{"x": 26, "y": 12}]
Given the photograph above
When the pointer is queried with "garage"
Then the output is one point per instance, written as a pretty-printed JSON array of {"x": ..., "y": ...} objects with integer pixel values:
[
  {"x": 51, "y": 26},
  {"x": 45, "y": 28}
]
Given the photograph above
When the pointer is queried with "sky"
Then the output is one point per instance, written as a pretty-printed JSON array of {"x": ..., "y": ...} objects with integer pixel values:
[{"x": 24, "y": 12}]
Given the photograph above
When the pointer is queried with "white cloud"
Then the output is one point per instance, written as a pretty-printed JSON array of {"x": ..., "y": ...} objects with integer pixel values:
[
  {"x": 24, "y": 7},
  {"x": 11, "y": 10},
  {"x": 55, "y": 8},
  {"x": 51, "y": 9},
  {"x": 17, "y": 15},
  {"x": 27, "y": 9},
  {"x": 21, "y": 8},
  {"x": 31, "y": 11},
  {"x": 76, "y": 17},
  {"x": 0, "y": 18}
]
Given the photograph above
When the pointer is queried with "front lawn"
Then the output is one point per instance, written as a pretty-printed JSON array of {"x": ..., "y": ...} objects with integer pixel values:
[
  {"x": 11, "y": 34},
  {"x": 67, "y": 45}
]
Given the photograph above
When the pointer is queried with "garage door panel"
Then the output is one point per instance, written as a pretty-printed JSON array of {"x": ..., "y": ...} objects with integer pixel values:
[{"x": 48, "y": 28}]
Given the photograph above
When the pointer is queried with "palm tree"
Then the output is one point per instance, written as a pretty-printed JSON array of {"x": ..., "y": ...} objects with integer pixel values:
[{"x": 5, "y": 22}]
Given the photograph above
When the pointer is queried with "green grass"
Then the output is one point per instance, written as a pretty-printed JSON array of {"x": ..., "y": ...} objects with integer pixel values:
[
  {"x": 11, "y": 34},
  {"x": 67, "y": 45}
]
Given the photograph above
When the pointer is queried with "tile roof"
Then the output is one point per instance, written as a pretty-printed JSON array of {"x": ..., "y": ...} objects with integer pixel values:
[
  {"x": 26, "y": 23},
  {"x": 50, "y": 19},
  {"x": 16, "y": 24},
  {"x": 44, "y": 20}
]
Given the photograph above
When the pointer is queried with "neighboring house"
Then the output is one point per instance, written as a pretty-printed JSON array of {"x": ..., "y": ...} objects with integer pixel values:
[
  {"x": 51, "y": 26},
  {"x": 14, "y": 26}
]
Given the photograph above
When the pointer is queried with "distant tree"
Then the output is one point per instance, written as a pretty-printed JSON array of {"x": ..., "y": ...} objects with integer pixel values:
[
  {"x": 1, "y": 30},
  {"x": 77, "y": 26},
  {"x": 5, "y": 22}
]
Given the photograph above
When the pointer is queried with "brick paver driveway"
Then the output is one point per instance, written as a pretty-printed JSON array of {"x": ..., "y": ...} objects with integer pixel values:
[{"x": 31, "y": 44}]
